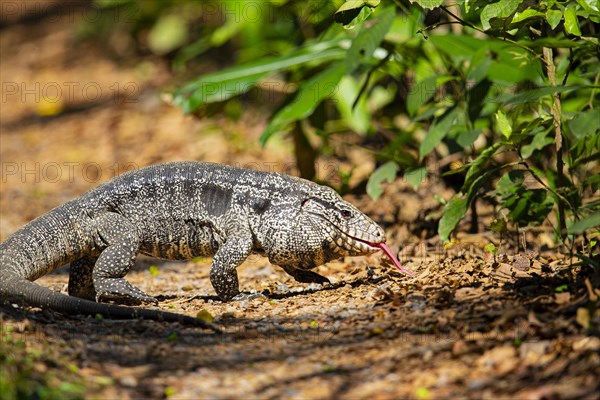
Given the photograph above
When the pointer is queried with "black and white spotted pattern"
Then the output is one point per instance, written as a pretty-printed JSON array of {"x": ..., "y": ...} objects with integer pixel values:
[{"x": 182, "y": 210}]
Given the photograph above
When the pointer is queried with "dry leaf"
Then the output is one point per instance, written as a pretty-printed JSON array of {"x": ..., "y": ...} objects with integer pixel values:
[
  {"x": 205, "y": 316},
  {"x": 562, "y": 298},
  {"x": 587, "y": 344},
  {"x": 521, "y": 263},
  {"x": 583, "y": 317},
  {"x": 591, "y": 290},
  {"x": 499, "y": 360}
]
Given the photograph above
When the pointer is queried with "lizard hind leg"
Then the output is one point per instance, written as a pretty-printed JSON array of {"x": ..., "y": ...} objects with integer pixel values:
[
  {"x": 81, "y": 282},
  {"x": 122, "y": 243}
]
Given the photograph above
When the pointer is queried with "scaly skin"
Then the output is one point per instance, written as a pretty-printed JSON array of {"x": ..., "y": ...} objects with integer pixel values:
[{"x": 178, "y": 211}]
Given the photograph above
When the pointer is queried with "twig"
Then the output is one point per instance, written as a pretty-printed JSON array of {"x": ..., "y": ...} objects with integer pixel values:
[{"x": 368, "y": 78}]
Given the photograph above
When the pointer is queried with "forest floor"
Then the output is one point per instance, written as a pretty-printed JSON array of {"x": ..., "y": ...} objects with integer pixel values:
[{"x": 519, "y": 324}]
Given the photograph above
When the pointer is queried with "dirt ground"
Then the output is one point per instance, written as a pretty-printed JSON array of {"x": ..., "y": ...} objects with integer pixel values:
[{"x": 521, "y": 324}]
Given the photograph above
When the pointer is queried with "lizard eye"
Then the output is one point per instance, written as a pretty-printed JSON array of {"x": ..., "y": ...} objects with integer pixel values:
[{"x": 346, "y": 213}]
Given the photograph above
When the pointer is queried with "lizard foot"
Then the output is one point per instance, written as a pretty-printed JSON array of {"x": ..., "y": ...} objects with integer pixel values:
[{"x": 120, "y": 290}]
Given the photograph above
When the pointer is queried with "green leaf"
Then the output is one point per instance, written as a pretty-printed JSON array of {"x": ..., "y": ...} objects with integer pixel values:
[
  {"x": 526, "y": 205},
  {"x": 440, "y": 199},
  {"x": 585, "y": 123},
  {"x": 358, "y": 117},
  {"x": 348, "y": 11},
  {"x": 428, "y": 4},
  {"x": 593, "y": 182},
  {"x": 362, "y": 16},
  {"x": 476, "y": 99},
  {"x": 533, "y": 95},
  {"x": 458, "y": 47},
  {"x": 420, "y": 93},
  {"x": 380, "y": 97},
  {"x": 540, "y": 140},
  {"x": 351, "y": 9},
  {"x": 222, "y": 85},
  {"x": 508, "y": 184},
  {"x": 554, "y": 42},
  {"x": 561, "y": 288},
  {"x": 454, "y": 211},
  {"x": 498, "y": 225},
  {"x": 471, "y": 5},
  {"x": 501, "y": 9},
  {"x": 586, "y": 150},
  {"x": 479, "y": 71},
  {"x": 553, "y": 17},
  {"x": 571, "y": 23},
  {"x": 225, "y": 32},
  {"x": 504, "y": 124},
  {"x": 416, "y": 176},
  {"x": 422, "y": 393},
  {"x": 308, "y": 96},
  {"x": 387, "y": 172},
  {"x": 478, "y": 166},
  {"x": 169, "y": 33},
  {"x": 439, "y": 129},
  {"x": 526, "y": 14},
  {"x": 479, "y": 182},
  {"x": 369, "y": 38},
  {"x": 589, "y": 222},
  {"x": 513, "y": 67},
  {"x": 491, "y": 248},
  {"x": 467, "y": 138},
  {"x": 589, "y": 5}
]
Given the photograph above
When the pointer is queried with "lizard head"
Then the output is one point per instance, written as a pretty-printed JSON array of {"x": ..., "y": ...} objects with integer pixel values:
[
  {"x": 345, "y": 229},
  {"x": 312, "y": 226}
]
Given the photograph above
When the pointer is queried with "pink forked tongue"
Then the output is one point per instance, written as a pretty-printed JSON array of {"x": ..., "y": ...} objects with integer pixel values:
[{"x": 389, "y": 253}]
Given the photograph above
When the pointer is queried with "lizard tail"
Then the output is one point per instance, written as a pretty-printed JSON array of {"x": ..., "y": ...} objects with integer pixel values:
[{"x": 14, "y": 289}]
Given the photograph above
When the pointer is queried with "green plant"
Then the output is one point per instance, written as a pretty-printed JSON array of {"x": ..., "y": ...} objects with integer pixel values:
[
  {"x": 511, "y": 85},
  {"x": 28, "y": 372}
]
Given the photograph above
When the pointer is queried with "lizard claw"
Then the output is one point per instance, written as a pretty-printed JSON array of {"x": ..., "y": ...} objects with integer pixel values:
[{"x": 120, "y": 290}]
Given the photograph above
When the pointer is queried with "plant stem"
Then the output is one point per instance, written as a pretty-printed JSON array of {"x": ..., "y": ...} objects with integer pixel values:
[
  {"x": 304, "y": 152},
  {"x": 556, "y": 112},
  {"x": 368, "y": 78},
  {"x": 474, "y": 217}
]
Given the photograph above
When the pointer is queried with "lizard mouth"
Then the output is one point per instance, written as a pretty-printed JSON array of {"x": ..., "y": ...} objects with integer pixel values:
[
  {"x": 382, "y": 246},
  {"x": 361, "y": 246},
  {"x": 351, "y": 243}
]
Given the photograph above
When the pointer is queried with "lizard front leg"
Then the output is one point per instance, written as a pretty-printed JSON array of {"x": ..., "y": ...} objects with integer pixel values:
[
  {"x": 122, "y": 243},
  {"x": 223, "y": 274}
]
